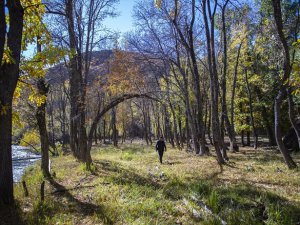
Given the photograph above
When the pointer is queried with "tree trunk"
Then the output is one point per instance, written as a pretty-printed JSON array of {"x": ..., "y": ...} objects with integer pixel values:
[
  {"x": 78, "y": 136},
  {"x": 96, "y": 138},
  {"x": 149, "y": 124},
  {"x": 114, "y": 127},
  {"x": 248, "y": 138},
  {"x": 198, "y": 131},
  {"x": 287, "y": 70},
  {"x": 52, "y": 130},
  {"x": 175, "y": 132},
  {"x": 42, "y": 125},
  {"x": 266, "y": 118},
  {"x": 6, "y": 173},
  {"x": 104, "y": 131},
  {"x": 233, "y": 91},
  {"x": 225, "y": 119},
  {"x": 209, "y": 125},
  {"x": 43, "y": 90},
  {"x": 181, "y": 138},
  {"x": 284, "y": 151},
  {"x": 292, "y": 116},
  {"x": 255, "y": 136},
  {"x": 242, "y": 138},
  {"x": 9, "y": 74},
  {"x": 144, "y": 111},
  {"x": 214, "y": 86}
]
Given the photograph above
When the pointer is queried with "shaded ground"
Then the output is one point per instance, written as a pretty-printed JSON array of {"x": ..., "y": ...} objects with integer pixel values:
[{"x": 128, "y": 186}]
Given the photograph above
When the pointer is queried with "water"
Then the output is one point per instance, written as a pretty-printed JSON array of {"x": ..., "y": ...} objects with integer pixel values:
[{"x": 20, "y": 157}]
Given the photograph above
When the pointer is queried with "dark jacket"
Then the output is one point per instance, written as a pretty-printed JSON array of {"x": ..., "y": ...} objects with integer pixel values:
[{"x": 160, "y": 146}]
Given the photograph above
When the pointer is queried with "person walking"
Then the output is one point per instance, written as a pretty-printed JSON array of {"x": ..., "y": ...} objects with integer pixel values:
[{"x": 161, "y": 148}]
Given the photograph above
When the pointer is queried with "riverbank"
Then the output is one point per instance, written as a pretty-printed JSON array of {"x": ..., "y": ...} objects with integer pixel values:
[
  {"x": 22, "y": 158},
  {"x": 129, "y": 186}
]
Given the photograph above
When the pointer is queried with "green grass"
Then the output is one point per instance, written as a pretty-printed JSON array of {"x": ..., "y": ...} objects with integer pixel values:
[{"x": 127, "y": 185}]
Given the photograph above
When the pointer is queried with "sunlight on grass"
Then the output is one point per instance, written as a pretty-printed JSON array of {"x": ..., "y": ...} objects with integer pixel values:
[{"x": 127, "y": 185}]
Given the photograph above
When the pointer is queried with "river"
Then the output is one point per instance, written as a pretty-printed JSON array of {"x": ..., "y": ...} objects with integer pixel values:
[{"x": 22, "y": 158}]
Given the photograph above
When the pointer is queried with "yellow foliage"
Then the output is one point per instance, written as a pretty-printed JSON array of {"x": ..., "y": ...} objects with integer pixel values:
[
  {"x": 37, "y": 98},
  {"x": 295, "y": 75},
  {"x": 124, "y": 76},
  {"x": 7, "y": 57},
  {"x": 31, "y": 137},
  {"x": 33, "y": 24},
  {"x": 16, "y": 120}
]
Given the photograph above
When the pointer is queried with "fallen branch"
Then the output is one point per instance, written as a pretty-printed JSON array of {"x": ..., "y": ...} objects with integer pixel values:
[{"x": 36, "y": 151}]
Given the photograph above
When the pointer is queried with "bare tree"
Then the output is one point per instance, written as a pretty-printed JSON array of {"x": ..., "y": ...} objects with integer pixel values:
[
  {"x": 282, "y": 90},
  {"x": 83, "y": 20}
]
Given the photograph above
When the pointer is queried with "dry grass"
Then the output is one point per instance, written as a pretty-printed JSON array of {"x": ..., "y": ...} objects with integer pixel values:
[{"x": 128, "y": 186}]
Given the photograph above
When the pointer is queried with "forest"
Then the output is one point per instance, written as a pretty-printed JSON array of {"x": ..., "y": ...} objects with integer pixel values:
[{"x": 216, "y": 81}]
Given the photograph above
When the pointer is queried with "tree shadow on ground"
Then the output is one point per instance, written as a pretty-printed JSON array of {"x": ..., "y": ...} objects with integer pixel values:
[
  {"x": 125, "y": 176},
  {"x": 133, "y": 149},
  {"x": 243, "y": 203},
  {"x": 258, "y": 156},
  {"x": 76, "y": 206},
  {"x": 259, "y": 204}
]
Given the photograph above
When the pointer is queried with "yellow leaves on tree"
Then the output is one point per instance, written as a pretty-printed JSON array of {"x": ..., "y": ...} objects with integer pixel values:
[
  {"x": 295, "y": 75},
  {"x": 33, "y": 24},
  {"x": 30, "y": 138},
  {"x": 124, "y": 75},
  {"x": 7, "y": 57}
]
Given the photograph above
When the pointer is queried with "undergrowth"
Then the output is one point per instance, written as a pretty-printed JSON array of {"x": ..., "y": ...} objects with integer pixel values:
[{"x": 127, "y": 185}]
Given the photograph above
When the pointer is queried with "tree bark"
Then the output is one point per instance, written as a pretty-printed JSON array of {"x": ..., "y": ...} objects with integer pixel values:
[
  {"x": 266, "y": 118},
  {"x": 114, "y": 127},
  {"x": 209, "y": 31},
  {"x": 255, "y": 136},
  {"x": 9, "y": 74},
  {"x": 104, "y": 131},
  {"x": 42, "y": 125},
  {"x": 284, "y": 151},
  {"x": 233, "y": 91},
  {"x": 209, "y": 126},
  {"x": 198, "y": 133},
  {"x": 78, "y": 136},
  {"x": 292, "y": 116},
  {"x": 279, "y": 98},
  {"x": 225, "y": 119},
  {"x": 43, "y": 90}
]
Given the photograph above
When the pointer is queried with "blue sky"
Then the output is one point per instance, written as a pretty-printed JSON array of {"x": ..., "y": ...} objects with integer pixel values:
[{"x": 124, "y": 22}]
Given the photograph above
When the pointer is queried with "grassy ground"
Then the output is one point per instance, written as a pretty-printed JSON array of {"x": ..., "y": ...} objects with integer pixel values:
[{"x": 129, "y": 186}]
